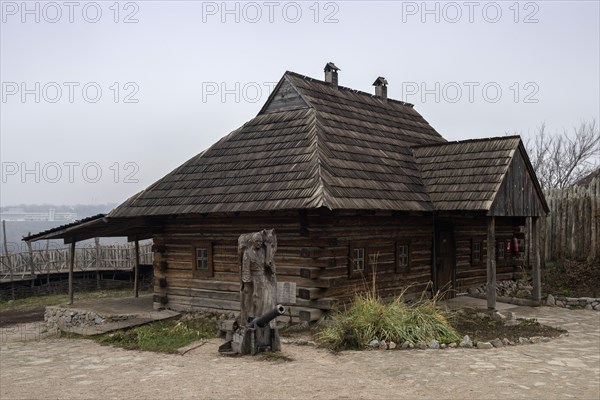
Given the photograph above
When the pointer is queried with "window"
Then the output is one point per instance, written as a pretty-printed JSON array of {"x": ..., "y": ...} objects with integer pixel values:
[
  {"x": 501, "y": 249},
  {"x": 402, "y": 256},
  {"x": 476, "y": 252},
  {"x": 202, "y": 259},
  {"x": 357, "y": 260}
]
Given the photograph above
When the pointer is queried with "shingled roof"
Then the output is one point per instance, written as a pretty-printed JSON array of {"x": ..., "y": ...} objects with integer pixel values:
[
  {"x": 477, "y": 174},
  {"x": 311, "y": 145}
]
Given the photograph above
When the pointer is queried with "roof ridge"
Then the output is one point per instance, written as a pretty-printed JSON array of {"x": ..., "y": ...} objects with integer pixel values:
[
  {"x": 488, "y": 139},
  {"x": 324, "y": 190},
  {"x": 370, "y": 95}
]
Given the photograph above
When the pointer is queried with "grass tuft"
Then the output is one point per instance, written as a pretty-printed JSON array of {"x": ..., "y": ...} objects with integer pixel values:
[
  {"x": 370, "y": 318},
  {"x": 160, "y": 336}
]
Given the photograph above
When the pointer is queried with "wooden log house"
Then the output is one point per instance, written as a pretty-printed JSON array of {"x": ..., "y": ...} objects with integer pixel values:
[{"x": 354, "y": 184}]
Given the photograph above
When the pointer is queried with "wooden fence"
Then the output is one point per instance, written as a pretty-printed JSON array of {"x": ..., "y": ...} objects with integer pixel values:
[
  {"x": 572, "y": 229},
  {"x": 24, "y": 265}
]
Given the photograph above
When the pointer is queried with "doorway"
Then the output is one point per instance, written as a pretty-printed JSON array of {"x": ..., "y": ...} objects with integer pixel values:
[{"x": 445, "y": 260}]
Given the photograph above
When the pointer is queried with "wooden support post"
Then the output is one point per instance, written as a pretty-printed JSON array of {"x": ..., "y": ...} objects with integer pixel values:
[
  {"x": 136, "y": 269},
  {"x": 71, "y": 267},
  {"x": 46, "y": 260},
  {"x": 97, "y": 262},
  {"x": 31, "y": 262},
  {"x": 491, "y": 263},
  {"x": 535, "y": 268},
  {"x": 8, "y": 260}
]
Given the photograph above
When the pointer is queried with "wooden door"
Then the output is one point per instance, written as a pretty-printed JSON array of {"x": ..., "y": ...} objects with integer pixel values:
[{"x": 445, "y": 261}]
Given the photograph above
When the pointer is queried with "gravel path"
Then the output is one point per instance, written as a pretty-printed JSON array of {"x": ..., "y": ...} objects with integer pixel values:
[{"x": 567, "y": 367}]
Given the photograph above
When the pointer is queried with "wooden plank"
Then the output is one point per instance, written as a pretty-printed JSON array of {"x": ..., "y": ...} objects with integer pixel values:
[
  {"x": 536, "y": 273},
  {"x": 491, "y": 264}
]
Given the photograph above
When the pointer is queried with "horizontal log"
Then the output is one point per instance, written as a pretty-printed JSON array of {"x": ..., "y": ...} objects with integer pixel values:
[
  {"x": 327, "y": 303},
  {"x": 218, "y": 304},
  {"x": 309, "y": 293},
  {"x": 309, "y": 314}
]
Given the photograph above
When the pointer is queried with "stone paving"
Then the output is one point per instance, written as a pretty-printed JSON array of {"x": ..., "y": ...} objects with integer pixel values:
[{"x": 567, "y": 367}]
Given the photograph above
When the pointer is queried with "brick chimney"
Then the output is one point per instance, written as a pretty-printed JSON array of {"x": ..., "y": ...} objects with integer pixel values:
[
  {"x": 381, "y": 88},
  {"x": 331, "y": 75}
]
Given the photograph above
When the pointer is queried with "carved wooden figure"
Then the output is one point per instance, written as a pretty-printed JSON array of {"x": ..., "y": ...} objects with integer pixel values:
[{"x": 258, "y": 284}]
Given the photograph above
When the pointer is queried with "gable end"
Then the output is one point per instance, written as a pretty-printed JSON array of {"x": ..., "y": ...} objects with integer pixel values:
[
  {"x": 519, "y": 194},
  {"x": 285, "y": 97}
]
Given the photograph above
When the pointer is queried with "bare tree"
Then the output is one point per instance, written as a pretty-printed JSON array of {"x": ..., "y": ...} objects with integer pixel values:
[{"x": 561, "y": 159}]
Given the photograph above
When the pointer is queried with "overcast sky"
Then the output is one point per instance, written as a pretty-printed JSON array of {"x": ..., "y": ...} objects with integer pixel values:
[{"x": 101, "y": 99}]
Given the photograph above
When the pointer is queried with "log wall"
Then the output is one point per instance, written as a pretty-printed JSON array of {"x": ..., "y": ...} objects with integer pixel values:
[
  {"x": 314, "y": 252},
  {"x": 467, "y": 230}
]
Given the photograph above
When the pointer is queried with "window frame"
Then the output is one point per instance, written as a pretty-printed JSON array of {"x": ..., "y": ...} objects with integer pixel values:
[
  {"x": 357, "y": 273},
  {"x": 403, "y": 268},
  {"x": 202, "y": 272},
  {"x": 474, "y": 241}
]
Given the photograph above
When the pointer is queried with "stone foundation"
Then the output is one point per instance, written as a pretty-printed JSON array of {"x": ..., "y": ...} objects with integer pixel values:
[{"x": 520, "y": 288}]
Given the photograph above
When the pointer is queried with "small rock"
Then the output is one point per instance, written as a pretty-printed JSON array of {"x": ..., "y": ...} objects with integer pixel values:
[
  {"x": 466, "y": 342},
  {"x": 560, "y": 303},
  {"x": 98, "y": 320},
  {"x": 510, "y": 315},
  {"x": 481, "y": 315},
  {"x": 374, "y": 344},
  {"x": 484, "y": 345},
  {"x": 523, "y": 340},
  {"x": 506, "y": 342},
  {"x": 545, "y": 339},
  {"x": 473, "y": 291},
  {"x": 408, "y": 345},
  {"x": 535, "y": 339},
  {"x": 434, "y": 344},
  {"x": 421, "y": 345},
  {"x": 597, "y": 307},
  {"x": 496, "y": 316},
  {"x": 588, "y": 307},
  {"x": 383, "y": 345},
  {"x": 443, "y": 346},
  {"x": 511, "y": 322},
  {"x": 550, "y": 300},
  {"x": 523, "y": 293},
  {"x": 497, "y": 343},
  {"x": 391, "y": 345},
  {"x": 452, "y": 345}
]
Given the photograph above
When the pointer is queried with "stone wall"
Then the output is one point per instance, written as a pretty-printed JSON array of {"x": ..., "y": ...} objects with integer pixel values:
[
  {"x": 587, "y": 303},
  {"x": 521, "y": 289},
  {"x": 62, "y": 318}
]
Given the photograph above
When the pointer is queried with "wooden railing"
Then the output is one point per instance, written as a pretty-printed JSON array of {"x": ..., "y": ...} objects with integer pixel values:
[{"x": 24, "y": 265}]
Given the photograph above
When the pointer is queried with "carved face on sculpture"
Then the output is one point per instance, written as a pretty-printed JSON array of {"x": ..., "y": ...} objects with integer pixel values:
[
  {"x": 257, "y": 240},
  {"x": 270, "y": 241}
]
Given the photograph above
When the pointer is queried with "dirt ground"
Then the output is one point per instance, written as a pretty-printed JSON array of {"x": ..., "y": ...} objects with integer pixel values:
[
  {"x": 11, "y": 317},
  {"x": 566, "y": 367}
]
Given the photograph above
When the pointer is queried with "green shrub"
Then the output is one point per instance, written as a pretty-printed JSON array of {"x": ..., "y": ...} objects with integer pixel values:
[{"x": 370, "y": 318}]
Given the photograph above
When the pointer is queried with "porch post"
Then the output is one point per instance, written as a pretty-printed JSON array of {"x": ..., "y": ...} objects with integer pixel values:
[
  {"x": 136, "y": 269},
  {"x": 71, "y": 267},
  {"x": 535, "y": 267},
  {"x": 491, "y": 263}
]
